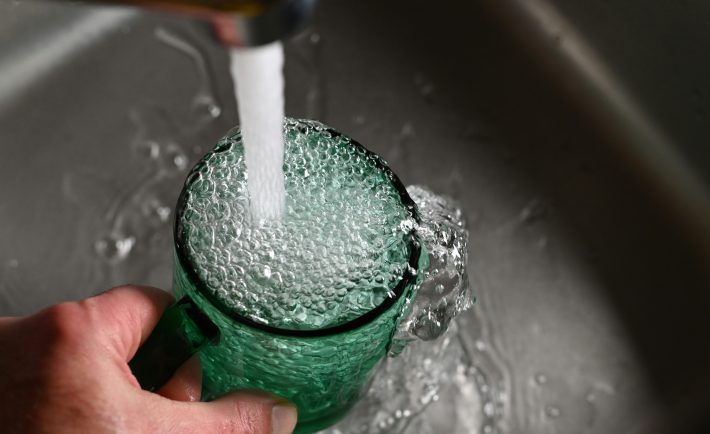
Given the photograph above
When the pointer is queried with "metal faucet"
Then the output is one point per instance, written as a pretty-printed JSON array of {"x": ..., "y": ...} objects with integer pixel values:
[{"x": 240, "y": 23}]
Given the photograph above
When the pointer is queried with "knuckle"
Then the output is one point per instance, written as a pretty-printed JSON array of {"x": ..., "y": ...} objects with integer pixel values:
[
  {"x": 64, "y": 324},
  {"x": 59, "y": 347}
]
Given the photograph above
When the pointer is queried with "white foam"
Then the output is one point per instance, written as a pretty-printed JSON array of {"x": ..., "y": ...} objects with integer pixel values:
[
  {"x": 341, "y": 246},
  {"x": 259, "y": 86}
]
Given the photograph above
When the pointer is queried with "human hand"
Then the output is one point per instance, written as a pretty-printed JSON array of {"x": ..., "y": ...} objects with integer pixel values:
[{"x": 65, "y": 369}]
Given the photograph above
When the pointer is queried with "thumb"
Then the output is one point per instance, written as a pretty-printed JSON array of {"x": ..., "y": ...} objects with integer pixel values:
[{"x": 242, "y": 412}]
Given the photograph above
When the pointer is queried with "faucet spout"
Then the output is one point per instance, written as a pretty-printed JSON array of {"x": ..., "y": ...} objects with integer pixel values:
[{"x": 239, "y": 23}]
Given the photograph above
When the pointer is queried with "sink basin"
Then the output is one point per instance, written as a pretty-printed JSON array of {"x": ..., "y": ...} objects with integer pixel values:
[{"x": 592, "y": 292}]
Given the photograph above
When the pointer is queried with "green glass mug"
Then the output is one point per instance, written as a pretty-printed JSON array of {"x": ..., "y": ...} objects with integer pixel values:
[{"x": 322, "y": 371}]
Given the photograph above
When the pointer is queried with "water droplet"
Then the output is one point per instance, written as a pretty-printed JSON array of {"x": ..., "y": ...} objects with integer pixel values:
[
  {"x": 174, "y": 157},
  {"x": 426, "y": 87},
  {"x": 540, "y": 379},
  {"x": 542, "y": 243},
  {"x": 13, "y": 263},
  {"x": 147, "y": 149},
  {"x": 113, "y": 247},
  {"x": 489, "y": 409},
  {"x": 180, "y": 161},
  {"x": 214, "y": 110},
  {"x": 533, "y": 211},
  {"x": 163, "y": 213},
  {"x": 552, "y": 411},
  {"x": 407, "y": 131},
  {"x": 204, "y": 102},
  {"x": 152, "y": 208}
]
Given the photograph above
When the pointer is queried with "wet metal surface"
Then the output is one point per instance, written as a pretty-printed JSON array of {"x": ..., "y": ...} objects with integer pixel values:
[{"x": 592, "y": 306}]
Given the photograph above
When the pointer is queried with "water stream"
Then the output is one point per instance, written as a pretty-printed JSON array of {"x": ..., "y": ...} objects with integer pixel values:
[{"x": 259, "y": 84}]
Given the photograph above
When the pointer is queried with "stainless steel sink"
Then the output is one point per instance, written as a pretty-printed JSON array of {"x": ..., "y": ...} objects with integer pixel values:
[{"x": 588, "y": 256}]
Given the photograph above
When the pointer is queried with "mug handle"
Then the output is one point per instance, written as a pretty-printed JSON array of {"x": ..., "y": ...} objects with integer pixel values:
[{"x": 182, "y": 331}]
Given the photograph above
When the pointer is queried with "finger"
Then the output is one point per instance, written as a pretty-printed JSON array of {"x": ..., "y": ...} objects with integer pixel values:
[
  {"x": 226, "y": 30},
  {"x": 186, "y": 383},
  {"x": 7, "y": 320},
  {"x": 123, "y": 317},
  {"x": 235, "y": 413}
]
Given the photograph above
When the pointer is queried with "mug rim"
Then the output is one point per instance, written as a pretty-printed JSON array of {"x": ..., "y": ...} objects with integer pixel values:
[{"x": 408, "y": 277}]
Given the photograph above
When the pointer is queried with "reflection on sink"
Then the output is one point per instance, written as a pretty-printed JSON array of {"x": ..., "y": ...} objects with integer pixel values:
[{"x": 591, "y": 308}]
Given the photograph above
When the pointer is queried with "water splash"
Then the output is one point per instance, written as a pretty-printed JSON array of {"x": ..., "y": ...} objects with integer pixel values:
[
  {"x": 441, "y": 380},
  {"x": 444, "y": 291},
  {"x": 114, "y": 247},
  {"x": 432, "y": 387},
  {"x": 204, "y": 105},
  {"x": 127, "y": 216}
]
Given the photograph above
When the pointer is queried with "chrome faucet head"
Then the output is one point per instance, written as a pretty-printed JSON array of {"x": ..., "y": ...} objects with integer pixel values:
[
  {"x": 276, "y": 21},
  {"x": 239, "y": 23}
]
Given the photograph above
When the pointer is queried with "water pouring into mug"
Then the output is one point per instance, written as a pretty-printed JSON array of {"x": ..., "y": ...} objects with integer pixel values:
[{"x": 301, "y": 261}]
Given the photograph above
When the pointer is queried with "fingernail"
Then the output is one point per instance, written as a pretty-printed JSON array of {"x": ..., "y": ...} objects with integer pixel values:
[{"x": 283, "y": 419}]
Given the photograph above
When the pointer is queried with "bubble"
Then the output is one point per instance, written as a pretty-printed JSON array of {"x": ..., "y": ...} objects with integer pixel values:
[
  {"x": 552, "y": 411},
  {"x": 155, "y": 210},
  {"x": 172, "y": 157},
  {"x": 533, "y": 211},
  {"x": 322, "y": 263},
  {"x": 489, "y": 409},
  {"x": 540, "y": 379},
  {"x": 147, "y": 149},
  {"x": 206, "y": 105},
  {"x": 114, "y": 247}
]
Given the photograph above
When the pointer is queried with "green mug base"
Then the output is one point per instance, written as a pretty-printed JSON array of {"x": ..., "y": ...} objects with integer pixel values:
[{"x": 311, "y": 426}]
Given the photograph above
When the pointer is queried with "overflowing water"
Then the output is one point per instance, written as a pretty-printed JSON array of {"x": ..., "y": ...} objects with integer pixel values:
[
  {"x": 430, "y": 365},
  {"x": 259, "y": 86},
  {"x": 444, "y": 291}
]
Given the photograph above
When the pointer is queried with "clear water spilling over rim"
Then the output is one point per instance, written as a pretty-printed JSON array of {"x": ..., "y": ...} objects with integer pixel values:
[{"x": 432, "y": 384}]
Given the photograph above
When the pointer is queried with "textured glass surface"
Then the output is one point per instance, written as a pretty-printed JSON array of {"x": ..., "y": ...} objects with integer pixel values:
[
  {"x": 323, "y": 376},
  {"x": 342, "y": 250}
]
